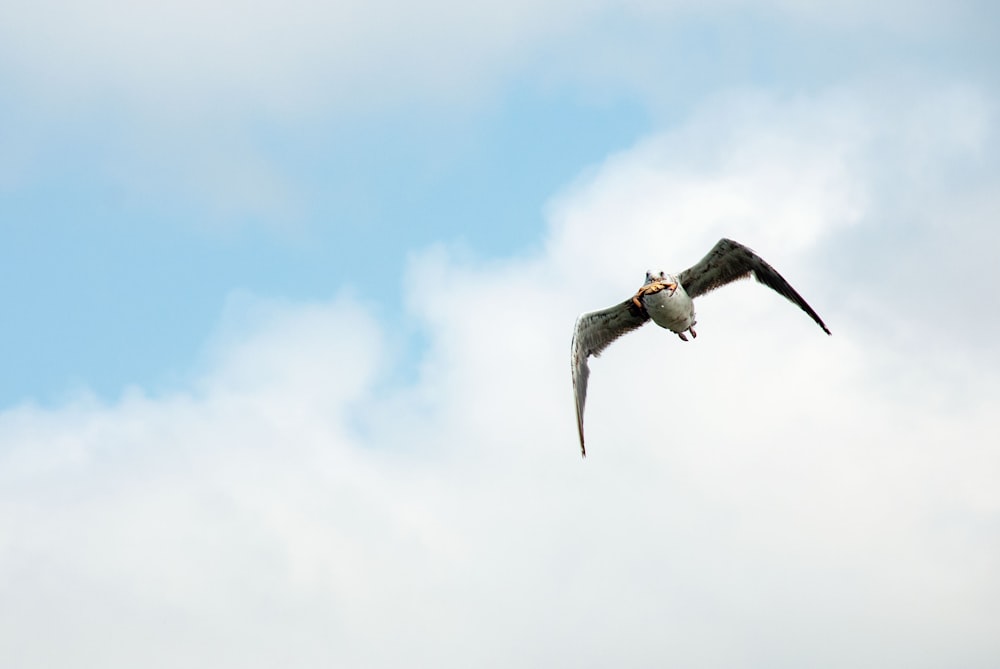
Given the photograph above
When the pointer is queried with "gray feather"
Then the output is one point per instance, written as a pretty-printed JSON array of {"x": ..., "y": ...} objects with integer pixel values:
[
  {"x": 593, "y": 333},
  {"x": 729, "y": 261}
]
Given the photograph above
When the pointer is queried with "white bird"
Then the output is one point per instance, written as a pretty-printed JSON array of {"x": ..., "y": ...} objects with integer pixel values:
[{"x": 667, "y": 300}]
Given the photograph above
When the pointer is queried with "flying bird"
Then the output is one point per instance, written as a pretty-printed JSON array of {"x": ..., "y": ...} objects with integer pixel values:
[{"x": 666, "y": 299}]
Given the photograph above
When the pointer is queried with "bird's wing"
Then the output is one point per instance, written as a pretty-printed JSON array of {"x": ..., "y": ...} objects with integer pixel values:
[
  {"x": 729, "y": 261},
  {"x": 593, "y": 333}
]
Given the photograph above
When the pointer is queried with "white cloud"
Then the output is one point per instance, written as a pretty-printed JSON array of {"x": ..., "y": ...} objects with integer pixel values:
[
  {"x": 764, "y": 496},
  {"x": 279, "y": 57},
  {"x": 302, "y": 56},
  {"x": 177, "y": 100}
]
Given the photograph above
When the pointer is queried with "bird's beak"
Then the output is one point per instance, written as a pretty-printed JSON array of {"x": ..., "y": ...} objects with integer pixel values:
[{"x": 671, "y": 287}]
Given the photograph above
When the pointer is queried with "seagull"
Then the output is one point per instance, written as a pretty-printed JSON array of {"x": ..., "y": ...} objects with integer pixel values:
[{"x": 666, "y": 299}]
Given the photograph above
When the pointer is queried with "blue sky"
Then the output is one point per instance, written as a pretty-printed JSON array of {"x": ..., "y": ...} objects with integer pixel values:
[
  {"x": 119, "y": 255},
  {"x": 117, "y": 287},
  {"x": 289, "y": 293}
]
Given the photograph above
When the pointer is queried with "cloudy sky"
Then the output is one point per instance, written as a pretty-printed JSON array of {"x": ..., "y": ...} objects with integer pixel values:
[{"x": 289, "y": 290}]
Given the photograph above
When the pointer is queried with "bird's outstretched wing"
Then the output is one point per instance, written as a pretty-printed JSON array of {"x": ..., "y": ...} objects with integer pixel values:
[
  {"x": 593, "y": 333},
  {"x": 729, "y": 261}
]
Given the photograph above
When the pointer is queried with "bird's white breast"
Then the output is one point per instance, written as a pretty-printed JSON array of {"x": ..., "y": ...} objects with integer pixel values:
[{"x": 673, "y": 311}]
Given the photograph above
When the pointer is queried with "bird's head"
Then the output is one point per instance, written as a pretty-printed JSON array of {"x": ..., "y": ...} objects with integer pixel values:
[
  {"x": 660, "y": 280},
  {"x": 652, "y": 276}
]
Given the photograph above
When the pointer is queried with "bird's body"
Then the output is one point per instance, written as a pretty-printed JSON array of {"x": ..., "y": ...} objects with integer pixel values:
[
  {"x": 670, "y": 309},
  {"x": 667, "y": 300}
]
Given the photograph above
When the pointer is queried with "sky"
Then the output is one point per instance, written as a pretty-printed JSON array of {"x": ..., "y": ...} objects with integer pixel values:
[{"x": 289, "y": 292}]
